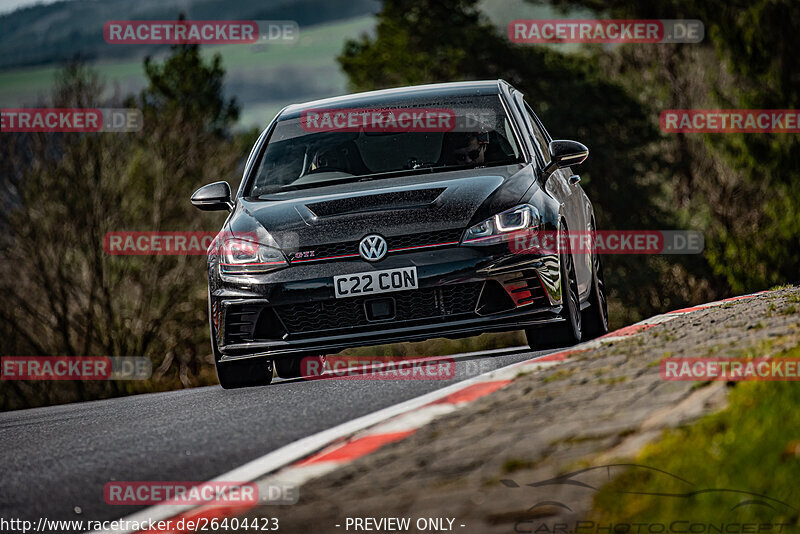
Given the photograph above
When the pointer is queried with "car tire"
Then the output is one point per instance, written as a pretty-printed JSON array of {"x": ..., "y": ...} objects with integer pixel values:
[
  {"x": 569, "y": 331},
  {"x": 295, "y": 368},
  {"x": 250, "y": 372},
  {"x": 595, "y": 317}
]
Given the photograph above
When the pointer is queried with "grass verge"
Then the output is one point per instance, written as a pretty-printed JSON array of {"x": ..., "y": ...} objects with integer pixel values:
[{"x": 751, "y": 451}]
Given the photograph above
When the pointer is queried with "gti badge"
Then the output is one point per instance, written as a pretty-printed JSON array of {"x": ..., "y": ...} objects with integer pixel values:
[{"x": 372, "y": 248}]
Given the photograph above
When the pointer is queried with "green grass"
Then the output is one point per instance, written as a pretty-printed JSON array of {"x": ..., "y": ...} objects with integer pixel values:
[
  {"x": 753, "y": 445},
  {"x": 515, "y": 464},
  {"x": 561, "y": 374},
  {"x": 780, "y": 287},
  {"x": 613, "y": 380},
  {"x": 317, "y": 46}
]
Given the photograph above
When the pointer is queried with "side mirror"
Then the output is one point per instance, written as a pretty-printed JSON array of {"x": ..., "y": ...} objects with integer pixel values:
[
  {"x": 213, "y": 197},
  {"x": 564, "y": 153}
]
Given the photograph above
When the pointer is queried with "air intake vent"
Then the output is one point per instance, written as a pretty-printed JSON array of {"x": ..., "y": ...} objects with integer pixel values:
[{"x": 360, "y": 204}]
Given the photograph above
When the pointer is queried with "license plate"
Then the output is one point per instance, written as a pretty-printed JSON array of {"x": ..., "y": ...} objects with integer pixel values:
[{"x": 354, "y": 285}]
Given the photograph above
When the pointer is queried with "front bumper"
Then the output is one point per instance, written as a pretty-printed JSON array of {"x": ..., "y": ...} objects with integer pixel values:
[{"x": 462, "y": 291}]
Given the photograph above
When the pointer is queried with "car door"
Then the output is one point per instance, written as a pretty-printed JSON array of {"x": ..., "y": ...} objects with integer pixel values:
[
  {"x": 570, "y": 195},
  {"x": 580, "y": 208}
]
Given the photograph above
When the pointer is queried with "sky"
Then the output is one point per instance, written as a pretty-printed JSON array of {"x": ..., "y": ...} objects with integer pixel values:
[{"x": 6, "y": 6}]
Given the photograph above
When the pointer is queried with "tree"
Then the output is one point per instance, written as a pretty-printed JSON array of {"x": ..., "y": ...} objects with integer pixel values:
[
  {"x": 66, "y": 191},
  {"x": 187, "y": 89},
  {"x": 744, "y": 186}
]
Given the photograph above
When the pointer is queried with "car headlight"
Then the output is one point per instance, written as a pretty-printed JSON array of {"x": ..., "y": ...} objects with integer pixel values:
[
  {"x": 501, "y": 227},
  {"x": 240, "y": 256}
]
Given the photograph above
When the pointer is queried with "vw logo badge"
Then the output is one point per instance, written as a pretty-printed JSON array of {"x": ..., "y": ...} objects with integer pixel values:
[{"x": 372, "y": 248}]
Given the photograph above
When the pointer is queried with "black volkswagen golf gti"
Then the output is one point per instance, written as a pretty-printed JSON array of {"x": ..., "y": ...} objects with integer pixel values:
[{"x": 396, "y": 215}]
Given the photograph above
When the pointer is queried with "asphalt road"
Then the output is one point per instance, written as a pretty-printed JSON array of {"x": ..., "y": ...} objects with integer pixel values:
[{"x": 56, "y": 460}]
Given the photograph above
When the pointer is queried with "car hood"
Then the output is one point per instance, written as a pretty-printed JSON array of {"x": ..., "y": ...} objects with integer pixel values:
[{"x": 397, "y": 206}]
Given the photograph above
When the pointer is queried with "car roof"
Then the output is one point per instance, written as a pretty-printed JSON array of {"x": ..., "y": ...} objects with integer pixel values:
[{"x": 372, "y": 98}]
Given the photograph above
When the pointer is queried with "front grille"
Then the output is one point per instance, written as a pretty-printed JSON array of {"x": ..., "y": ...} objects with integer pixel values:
[
  {"x": 341, "y": 314},
  {"x": 424, "y": 239}
]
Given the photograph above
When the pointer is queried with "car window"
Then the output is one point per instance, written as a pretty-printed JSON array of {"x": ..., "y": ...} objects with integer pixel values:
[
  {"x": 299, "y": 155},
  {"x": 518, "y": 103},
  {"x": 539, "y": 136}
]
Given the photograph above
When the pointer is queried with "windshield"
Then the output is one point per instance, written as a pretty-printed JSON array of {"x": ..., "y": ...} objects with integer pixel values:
[{"x": 331, "y": 145}]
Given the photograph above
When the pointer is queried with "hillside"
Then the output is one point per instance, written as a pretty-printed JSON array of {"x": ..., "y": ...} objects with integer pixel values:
[{"x": 48, "y": 34}]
